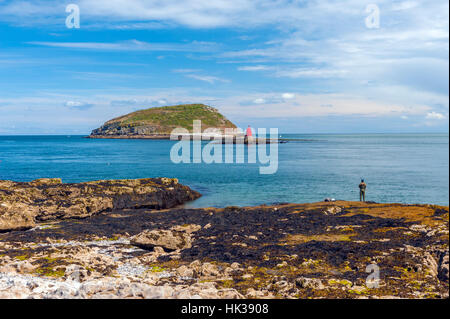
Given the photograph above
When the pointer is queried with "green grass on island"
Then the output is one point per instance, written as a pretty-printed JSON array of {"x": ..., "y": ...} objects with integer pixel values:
[{"x": 168, "y": 117}]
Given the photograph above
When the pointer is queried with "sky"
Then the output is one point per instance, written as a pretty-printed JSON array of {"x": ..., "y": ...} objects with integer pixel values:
[{"x": 302, "y": 66}]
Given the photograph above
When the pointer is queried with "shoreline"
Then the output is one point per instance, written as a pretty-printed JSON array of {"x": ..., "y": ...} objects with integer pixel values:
[
  {"x": 134, "y": 240},
  {"x": 125, "y": 137},
  {"x": 224, "y": 139}
]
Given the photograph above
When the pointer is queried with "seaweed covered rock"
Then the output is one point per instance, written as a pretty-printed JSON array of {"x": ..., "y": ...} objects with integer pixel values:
[
  {"x": 443, "y": 266},
  {"x": 23, "y": 204},
  {"x": 367, "y": 250}
]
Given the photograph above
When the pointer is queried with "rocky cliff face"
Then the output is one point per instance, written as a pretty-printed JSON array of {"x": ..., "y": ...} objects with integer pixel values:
[
  {"x": 118, "y": 129},
  {"x": 24, "y": 204},
  {"x": 159, "y": 122}
]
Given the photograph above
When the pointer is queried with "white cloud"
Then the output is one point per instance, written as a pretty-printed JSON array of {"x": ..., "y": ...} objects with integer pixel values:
[
  {"x": 126, "y": 102},
  {"x": 207, "y": 78},
  {"x": 139, "y": 14},
  {"x": 45, "y": 107},
  {"x": 193, "y": 74},
  {"x": 259, "y": 101},
  {"x": 254, "y": 68},
  {"x": 311, "y": 73},
  {"x": 435, "y": 116},
  {"x": 78, "y": 105},
  {"x": 398, "y": 70},
  {"x": 133, "y": 45},
  {"x": 315, "y": 105},
  {"x": 73, "y": 103},
  {"x": 288, "y": 96},
  {"x": 404, "y": 5},
  {"x": 185, "y": 70},
  {"x": 191, "y": 13}
]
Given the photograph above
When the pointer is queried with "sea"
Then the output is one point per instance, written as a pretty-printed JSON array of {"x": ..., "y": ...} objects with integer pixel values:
[{"x": 397, "y": 168}]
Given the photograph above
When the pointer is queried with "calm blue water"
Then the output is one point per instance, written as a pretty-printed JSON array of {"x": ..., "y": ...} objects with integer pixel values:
[{"x": 402, "y": 168}]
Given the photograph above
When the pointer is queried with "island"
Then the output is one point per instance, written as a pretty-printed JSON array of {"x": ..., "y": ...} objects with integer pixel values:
[{"x": 159, "y": 122}]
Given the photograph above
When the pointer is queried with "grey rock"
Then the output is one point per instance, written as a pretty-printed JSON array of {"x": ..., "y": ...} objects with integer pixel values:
[
  {"x": 168, "y": 239},
  {"x": 312, "y": 283}
]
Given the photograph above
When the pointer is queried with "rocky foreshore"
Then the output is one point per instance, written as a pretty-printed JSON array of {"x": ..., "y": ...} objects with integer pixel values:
[
  {"x": 128, "y": 239},
  {"x": 22, "y": 204}
]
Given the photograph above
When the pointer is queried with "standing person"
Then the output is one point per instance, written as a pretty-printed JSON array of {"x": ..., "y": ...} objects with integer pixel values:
[{"x": 362, "y": 191}]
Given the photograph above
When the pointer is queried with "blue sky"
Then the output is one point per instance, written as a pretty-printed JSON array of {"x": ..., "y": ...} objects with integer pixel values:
[{"x": 302, "y": 66}]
